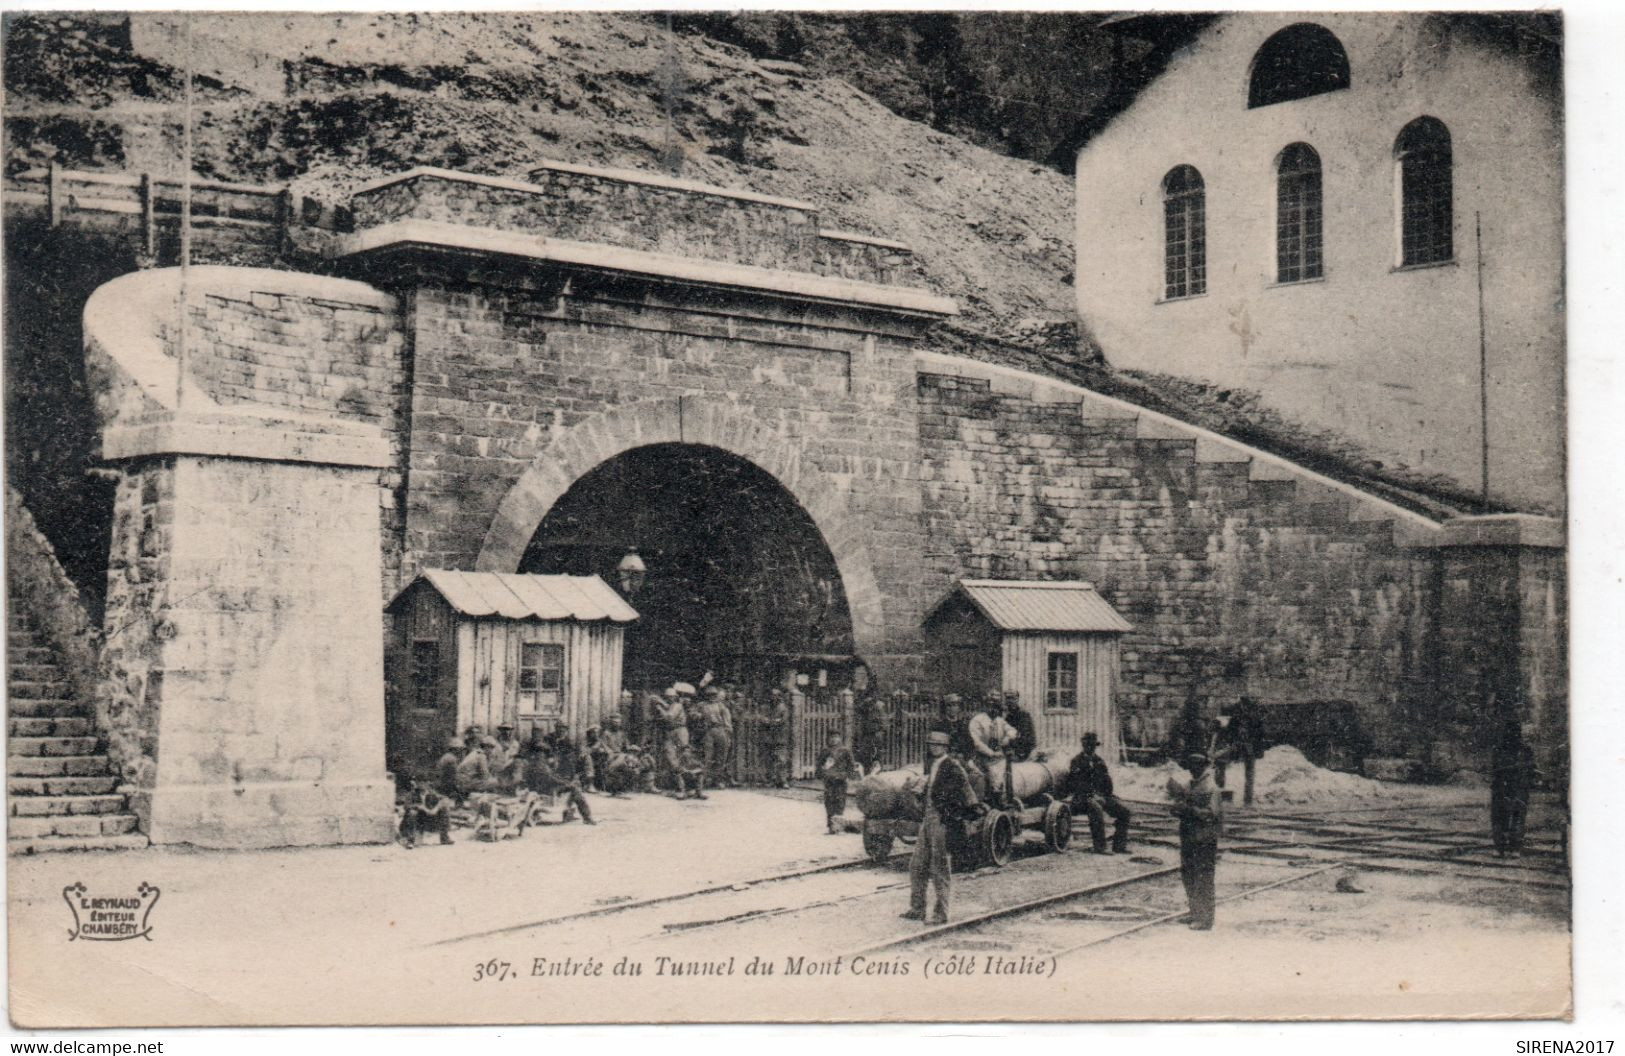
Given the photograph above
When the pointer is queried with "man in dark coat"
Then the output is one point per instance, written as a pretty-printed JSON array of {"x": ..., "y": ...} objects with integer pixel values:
[
  {"x": 1021, "y": 721},
  {"x": 1241, "y": 739},
  {"x": 1200, "y": 813},
  {"x": 836, "y": 766},
  {"x": 947, "y": 799},
  {"x": 776, "y": 739},
  {"x": 1512, "y": 779},
  {"x": 1090, "y": 782},
  {"x": 445, "y": 769}
]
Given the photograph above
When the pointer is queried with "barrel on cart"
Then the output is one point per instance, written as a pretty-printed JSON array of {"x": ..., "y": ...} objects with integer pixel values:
[{"x": 891, "y": 806}]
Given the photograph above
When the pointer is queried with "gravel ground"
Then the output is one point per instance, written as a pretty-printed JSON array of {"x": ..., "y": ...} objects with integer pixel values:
[{"x": 360, "y": 934}]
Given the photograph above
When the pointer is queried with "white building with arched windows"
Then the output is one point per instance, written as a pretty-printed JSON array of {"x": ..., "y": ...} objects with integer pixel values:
[{"x": 1351, "y": 215}]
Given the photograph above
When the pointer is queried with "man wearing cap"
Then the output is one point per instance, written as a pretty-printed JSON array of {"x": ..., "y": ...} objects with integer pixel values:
[
  {"x": 1091, "y": 785},
  {"x": 776, "y": 739},
  {"x": 1024, "y": 739},
  {"x": 540, "y": 772},
  {"x": 719, "y": 735},
  {"x": 673, "y": 719},
  {"x": 1200, "y": 814},
  {"x": 947, "y": 799},
  {"x": 504, "y": 755},
  {"x": 990, "y": 740},
  {"x": 474, "y": 772}
]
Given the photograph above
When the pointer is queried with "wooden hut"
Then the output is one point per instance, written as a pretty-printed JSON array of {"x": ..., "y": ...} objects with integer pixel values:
[
  {"x": 1054, "y": 643},
  {"x": 493, "y": 648}
]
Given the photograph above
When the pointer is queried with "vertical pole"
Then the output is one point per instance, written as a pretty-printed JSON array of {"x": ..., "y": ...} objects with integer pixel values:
[
  {"x": 181, "y": 349},
  {"x": 1483, "y": 376},
  {"x": 149, "y": 221},
  {"x": 53, "y": 193}
]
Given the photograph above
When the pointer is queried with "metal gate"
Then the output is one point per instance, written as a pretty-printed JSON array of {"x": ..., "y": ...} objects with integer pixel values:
[{"x": 816, "y": 715}]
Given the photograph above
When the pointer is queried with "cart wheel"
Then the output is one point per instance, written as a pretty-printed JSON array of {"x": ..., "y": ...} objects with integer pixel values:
[
  {"x": 998, "y": 837},
  {"x": 877, "y": 844},
  {"x": 1057, "y": 826}
]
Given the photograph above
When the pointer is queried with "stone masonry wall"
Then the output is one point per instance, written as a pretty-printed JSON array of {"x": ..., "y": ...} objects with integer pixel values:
[
  {"x": 821, "y": 397},
  {"x": 1232, "y": 585},
  {"x": 593, "y": 207}
]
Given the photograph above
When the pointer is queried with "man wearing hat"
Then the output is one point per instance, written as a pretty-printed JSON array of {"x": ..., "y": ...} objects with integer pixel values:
[
  {"x": 474, "y": 772},
  {"x": 445, "y": 769},
  {"x": 1200, "y": 813},
  {"x": 1091, "y": 785},
  {"x": 673, "y": 718},
  {"x": 1024, "y": 740},
  {"x": 504, "y": 754},
  {"x": 947, "y": 800},
  {"x": 719, "y": 735}
]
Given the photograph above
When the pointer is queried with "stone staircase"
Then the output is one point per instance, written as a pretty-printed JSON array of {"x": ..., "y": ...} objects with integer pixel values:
[{"x": 63, "y": 788}]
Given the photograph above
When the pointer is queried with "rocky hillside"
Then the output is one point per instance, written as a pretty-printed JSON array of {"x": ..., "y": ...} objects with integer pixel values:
[{"x": 326, "y": 102}]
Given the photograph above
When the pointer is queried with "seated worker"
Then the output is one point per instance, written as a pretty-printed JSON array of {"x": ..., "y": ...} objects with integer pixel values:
[
  {"x": 503, "y": 755},
  {"x": 592, "y": 753},
  {"x": 1025, "y": 740},
  {"x": 539, "y": 773},
  {"x": 836, "y": 766},
  {"x": 425, "y": 811},
  {"x": 1090, "y": 783},
  {"x": 445, "y": 769},
  {"x": 569, "y": 760},
  {"x": 626, "y": 771},
  {"x": 474, "y": 772},
  {"x": 990, "y": 740}
]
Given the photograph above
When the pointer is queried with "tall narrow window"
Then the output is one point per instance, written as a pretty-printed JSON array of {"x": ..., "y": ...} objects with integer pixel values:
[
  {"x": 1184, "y": 212},
  {"x": 1297, "y": 215},
  {"x": 1061, "y": 685},
  {"x": 1422, "y": 153}
]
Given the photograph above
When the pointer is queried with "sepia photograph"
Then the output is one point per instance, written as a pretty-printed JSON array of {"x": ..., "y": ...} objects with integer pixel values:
[{"x": 593, "y": 517}]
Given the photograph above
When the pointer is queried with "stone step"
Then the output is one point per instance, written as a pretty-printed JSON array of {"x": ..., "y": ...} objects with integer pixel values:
[
  {"x": 47, "y": 709},
  {"x": 48, "y": 727},
  {"x": 44, "y": 844},
  {"x": 54, "y": 806},
  {"x": 28, "y": 690},
  {"x": 34, "y": 671},
  {"x": 72, "y": 825},
  {"x": 57, "y": 746},
  {"x": 98, "y": 785},
  {"x": 62, "y": 766}
]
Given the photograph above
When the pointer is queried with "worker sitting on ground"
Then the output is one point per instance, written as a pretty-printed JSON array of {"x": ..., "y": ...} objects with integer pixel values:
[
  {"x": 990, "y": 740},
  {"x": 425, "y": 811},
  {"x": 504, "y": 755},
  {"x": 1090, "y": 783},
  {"x": 445, "y": 769},
  {"x": 539, "y": 772},
  {"x": 836, "y": 766}
]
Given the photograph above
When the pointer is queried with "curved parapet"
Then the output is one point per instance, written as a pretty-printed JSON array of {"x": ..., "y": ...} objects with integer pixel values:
[{"x": 279, "y": 365}]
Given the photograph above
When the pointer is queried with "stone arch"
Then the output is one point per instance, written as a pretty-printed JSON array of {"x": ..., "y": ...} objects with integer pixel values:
[{"x": 701, "y": 420}]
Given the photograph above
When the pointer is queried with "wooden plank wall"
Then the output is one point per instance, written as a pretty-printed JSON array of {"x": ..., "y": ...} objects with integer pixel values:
[
  {"x": 488, "y": 672},
  {"x": 1026, "y": 670}
]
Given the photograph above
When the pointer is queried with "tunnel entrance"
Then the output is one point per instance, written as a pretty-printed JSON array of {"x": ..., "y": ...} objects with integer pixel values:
[{"x": 739, "y": 580}]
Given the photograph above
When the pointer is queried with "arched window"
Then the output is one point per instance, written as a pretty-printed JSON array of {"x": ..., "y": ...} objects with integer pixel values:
[
  {"x": 1184, "y": 214},
  {"x": 1299, "y": 61},
  {"x": 1422, "y": 153},
  {"x": 1297, "y": 214}
]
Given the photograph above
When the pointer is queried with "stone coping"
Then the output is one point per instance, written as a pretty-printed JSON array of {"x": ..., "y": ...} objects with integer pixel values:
[
  {"x": 618, "y": 175},
  {"x": 246, "y": 438},
  {"x": 466, "y": 238},
  {"x": 1505, "y": 529},
  {"x": 1411, "y": 528}
]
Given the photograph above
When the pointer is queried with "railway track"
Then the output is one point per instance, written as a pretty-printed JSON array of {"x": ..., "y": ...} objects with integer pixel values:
[{"x": 1265, "y": 851}]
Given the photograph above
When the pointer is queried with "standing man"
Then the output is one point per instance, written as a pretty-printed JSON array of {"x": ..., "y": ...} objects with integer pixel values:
[
  {"x": 836, "y": 766},
  {"x": 1091, "y": 784},
  {"x": 776, "y": 739},
  {"x": 1025, "y": 741},
  {"x": 718, "y": 724},
  {"x": 673, "y": 720},
  {"x": 1512, "y": 778},
  {"x": 1201, "y": 816},
  {"x": 1241, "y": 740},
  {"x": 948, "y": 799},
  {"x": 990, "y": 740}
]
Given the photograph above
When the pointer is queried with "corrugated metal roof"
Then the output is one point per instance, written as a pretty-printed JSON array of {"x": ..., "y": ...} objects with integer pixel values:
[
  {"x": 1012, "y": 605},
  {"x": 517, "y": 596}
]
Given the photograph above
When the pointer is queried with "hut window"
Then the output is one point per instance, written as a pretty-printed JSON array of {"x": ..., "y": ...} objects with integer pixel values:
[
  {"x": 425, "y": 674},
  {"x": 541, "y": 678},
  {"x": 1061, "y": 687}
]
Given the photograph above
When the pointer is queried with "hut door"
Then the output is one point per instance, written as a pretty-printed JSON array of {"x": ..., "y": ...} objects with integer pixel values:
[
  {"x": 431, "y": 715},
  {"x": 541, "y": 686}
]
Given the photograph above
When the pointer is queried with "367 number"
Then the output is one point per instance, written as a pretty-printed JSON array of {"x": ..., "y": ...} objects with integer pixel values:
[{"x": 493, "y": 970}]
